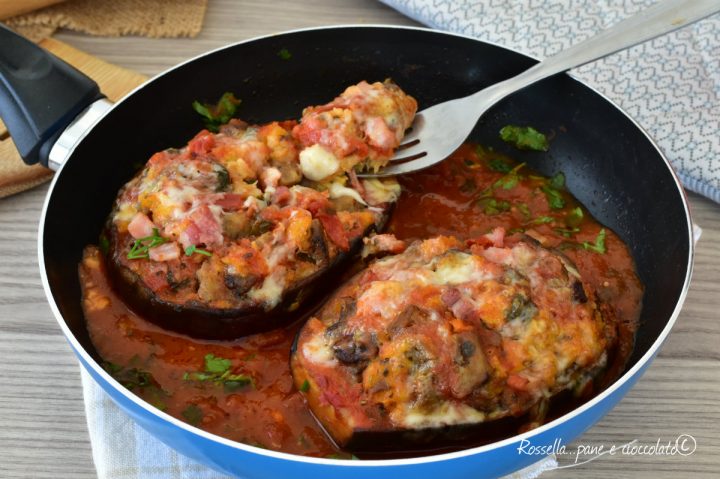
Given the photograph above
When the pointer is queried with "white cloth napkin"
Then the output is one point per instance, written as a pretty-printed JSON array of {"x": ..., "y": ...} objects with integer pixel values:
[
  {"x": 122, "y": 449},
  {"x": 670, "y": 85}
]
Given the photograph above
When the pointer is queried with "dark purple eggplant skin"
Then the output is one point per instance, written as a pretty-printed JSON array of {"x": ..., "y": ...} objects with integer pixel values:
[{"x": 202, "y": 322}]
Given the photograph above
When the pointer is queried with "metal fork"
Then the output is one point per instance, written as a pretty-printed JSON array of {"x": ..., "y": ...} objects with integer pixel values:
[{"x": 439, "y": 130}]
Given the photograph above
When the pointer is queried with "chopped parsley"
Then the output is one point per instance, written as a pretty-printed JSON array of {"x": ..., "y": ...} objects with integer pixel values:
[
  {"x": 574, "y": 217},
  {"x": 598, "y": 246},
  {"x": 552, "y": 188},
  {"x": 493, "y": 206},
  {"x": 141, "y": 246},
  {"x": 218, "y": 114},
  {"x": 506, "y": 182},
  {"x": 499, "y": 165},
  {"x": 567, "y": 232},
  {"x": 524, "y": 137},
  {"x": 557, "y": 181},
  {"x": 523, "y": 208},
  {"x": 217, "y": 370},
  {"x": 305, "y": 387},
  {"x": 111, "y": 368},
  {"x": 214, "y": 364},
  {"x": 541, "y": 220},
  {"x": 192, "y": 414},
  {"x": 194, "y": 249},
  {"x": 284, "y": 54},
  {"x": 134, "y": 378},
  {"x": 104, "y": 244}
]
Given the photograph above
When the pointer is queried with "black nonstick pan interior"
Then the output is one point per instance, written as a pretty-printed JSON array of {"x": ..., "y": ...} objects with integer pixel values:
[{"x": 610, "y": 165}]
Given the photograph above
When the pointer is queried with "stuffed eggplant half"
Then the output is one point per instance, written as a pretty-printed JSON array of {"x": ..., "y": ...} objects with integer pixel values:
[
  {"x": 226, "y": 236},
  {"x": 448, "y": 335}
]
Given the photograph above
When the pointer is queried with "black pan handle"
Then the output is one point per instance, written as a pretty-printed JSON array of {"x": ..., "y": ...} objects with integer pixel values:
[{"x": 39, "y": 95}]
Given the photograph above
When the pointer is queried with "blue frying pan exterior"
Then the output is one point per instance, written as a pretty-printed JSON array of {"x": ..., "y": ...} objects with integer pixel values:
[{"x": 610, "y": 164}]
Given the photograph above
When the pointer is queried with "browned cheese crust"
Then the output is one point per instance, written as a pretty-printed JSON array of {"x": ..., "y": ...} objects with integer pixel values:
[{"x": 448, "y": 333}]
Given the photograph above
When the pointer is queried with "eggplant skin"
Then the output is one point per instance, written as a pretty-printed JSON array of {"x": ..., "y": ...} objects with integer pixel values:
[
  {"x": 232, "y": 234},
  {"x": 198, "y": 320},
  {"x": 447, "y": 340}
]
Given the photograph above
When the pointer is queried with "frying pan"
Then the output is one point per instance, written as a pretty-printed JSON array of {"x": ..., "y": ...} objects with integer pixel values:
[{"x": 610, "y": 164}]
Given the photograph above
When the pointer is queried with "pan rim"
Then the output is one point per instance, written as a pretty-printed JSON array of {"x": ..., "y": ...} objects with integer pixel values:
[{"x": 642, "y": 362}]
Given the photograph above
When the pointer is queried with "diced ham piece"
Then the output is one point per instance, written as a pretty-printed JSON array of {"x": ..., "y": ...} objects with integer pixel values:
[
  {"x": 202, "y": 143},
  {"x": 517, "y": 382},
  {"x": 203, "y": 228},
  {"x": 313, "y": 201},
  {"x": 382, "y": 244},
  {"x": 496, "y": 236},
  {"x": 451, "y": 296},
  {"x": 164, "y": 252},
  {"x": 498, "y": 255},
  {"x": 141, "y": 226},
  {"x": 282, "y": 195},
  {"x": 335, "y": 231},
  {"x": 230, "y": 201},
  {"x": 464, "y": 309},
  {"x": 379, "y": 134},
  {"x": 308, "y": 132},
  {"x": 355, "y": 182},
  {"x": 155, "y": 276}
]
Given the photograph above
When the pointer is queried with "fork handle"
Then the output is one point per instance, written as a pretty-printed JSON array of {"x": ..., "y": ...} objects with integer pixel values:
[{"x": 661, "y": 18}]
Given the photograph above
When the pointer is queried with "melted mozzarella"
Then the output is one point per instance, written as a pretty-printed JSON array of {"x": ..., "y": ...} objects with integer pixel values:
[
  {"x": 126, "y": 212},
  {"x": 378, "y": 192},
  {"x": 337, "y": 190},
  {"x": 458, "y": 268},
  {"x": 446, "y": 413},
  {"x": 317, "y": 163},
  {"x": 317, "y": 351},
  {"x": 270, "y": 292}
]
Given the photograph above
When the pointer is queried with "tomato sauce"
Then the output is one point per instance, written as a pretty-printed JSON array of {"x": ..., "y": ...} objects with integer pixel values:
[{"x": 243, "y": 389}]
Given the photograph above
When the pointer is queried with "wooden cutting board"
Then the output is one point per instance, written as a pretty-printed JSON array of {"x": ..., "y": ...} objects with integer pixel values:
[{"x": 114, "y": 82}]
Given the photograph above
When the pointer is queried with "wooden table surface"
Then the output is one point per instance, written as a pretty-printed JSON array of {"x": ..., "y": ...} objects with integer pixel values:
[{"x": 42, "y": 424}]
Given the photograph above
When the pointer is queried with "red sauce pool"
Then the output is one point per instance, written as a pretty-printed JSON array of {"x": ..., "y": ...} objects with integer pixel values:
[{"x": 243, "y": 390}]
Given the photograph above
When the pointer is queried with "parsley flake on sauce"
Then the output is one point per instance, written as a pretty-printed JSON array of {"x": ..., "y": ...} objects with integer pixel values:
[
  {"x": 217, "y": 370},
  {"x": 493, "y": 206},
  {"x": 501, "y": 166},
  {"x": 506, "y": 182},
  {"x": 558, "y": 181},
  {"x": 218, "y": 114},
  {"x": 524, "y": 137},
  {"x": 305, "y": 387},
  {"x": 541, "y": 220},
  {"x": 598, "y": 246},
  {"x": 216, "y": 365},
  {"x": 192, "y": 414}
]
